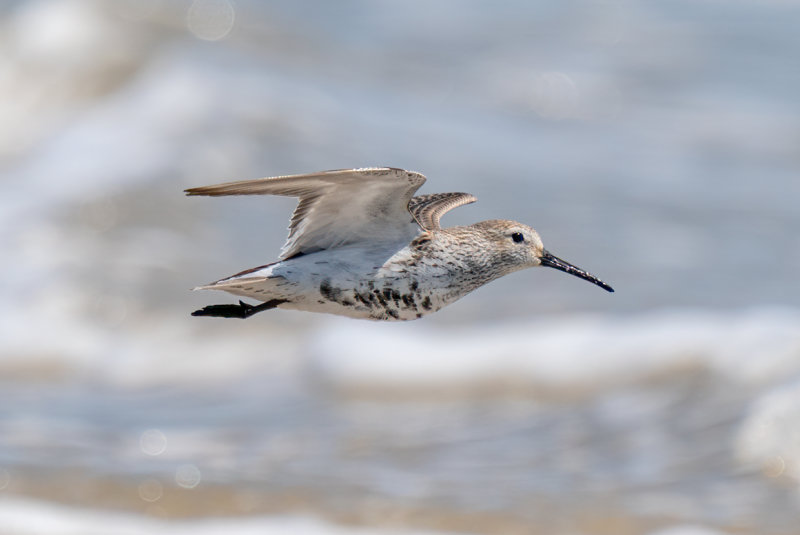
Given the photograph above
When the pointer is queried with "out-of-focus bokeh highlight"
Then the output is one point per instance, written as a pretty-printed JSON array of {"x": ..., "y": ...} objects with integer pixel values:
[{"x": 655, "y": 144}]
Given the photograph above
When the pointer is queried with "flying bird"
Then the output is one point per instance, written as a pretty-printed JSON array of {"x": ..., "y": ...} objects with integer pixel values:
[{"x": 362, "y": 245}]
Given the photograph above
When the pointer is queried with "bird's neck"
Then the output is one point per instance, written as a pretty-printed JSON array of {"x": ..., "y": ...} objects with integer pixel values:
[{"x": 467, "y": 257}]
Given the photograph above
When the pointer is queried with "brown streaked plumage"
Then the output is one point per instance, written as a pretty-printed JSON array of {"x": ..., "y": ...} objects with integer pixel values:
[{"x": 361, "y": 245}]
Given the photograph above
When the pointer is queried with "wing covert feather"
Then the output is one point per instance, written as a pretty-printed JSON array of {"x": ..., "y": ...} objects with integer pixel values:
[
  {"x": 428, "y": 209},
  {"x": 337, "y": 208}
]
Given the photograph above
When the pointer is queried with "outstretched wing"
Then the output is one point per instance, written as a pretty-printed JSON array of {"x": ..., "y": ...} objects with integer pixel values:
[
  {"x": 428, "y": 209},
  {"x": 337, "y": 208}
]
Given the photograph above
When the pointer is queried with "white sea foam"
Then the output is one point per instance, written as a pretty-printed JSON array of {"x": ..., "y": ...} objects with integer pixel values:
[
  {"x": 171, "y": 348},
  {"x": 769, "y": 436},
  {"x": 759, "y": 347},
  {"x": 25, "y": 517},
  {"x": 755, "y": 347}
]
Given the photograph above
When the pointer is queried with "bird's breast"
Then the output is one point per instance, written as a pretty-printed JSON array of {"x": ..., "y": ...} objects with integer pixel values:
[
  {"x": 404, "y": 285},
  {"x": 381, "y": 298}
]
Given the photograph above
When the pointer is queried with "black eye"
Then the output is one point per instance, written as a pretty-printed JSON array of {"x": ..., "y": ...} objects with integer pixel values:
[{"x": 518, "y": 237}]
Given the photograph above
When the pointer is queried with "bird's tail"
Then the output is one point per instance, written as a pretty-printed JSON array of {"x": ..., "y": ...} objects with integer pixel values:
[
  {"x": 229, "y": 285},
  {"x": 263, "y": 288}
]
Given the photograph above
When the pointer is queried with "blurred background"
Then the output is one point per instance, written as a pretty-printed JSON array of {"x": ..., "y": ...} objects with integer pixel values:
[{"x": 654, "y": 144}]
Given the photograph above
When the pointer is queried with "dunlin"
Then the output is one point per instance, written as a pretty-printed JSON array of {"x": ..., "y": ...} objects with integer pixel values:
[{"x": 361, "y": 245}]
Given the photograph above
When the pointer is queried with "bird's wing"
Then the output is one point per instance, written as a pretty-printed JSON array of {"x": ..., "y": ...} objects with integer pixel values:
[
  {"x": 428, "y": 209},
  {"x": 337, "y": 208}
]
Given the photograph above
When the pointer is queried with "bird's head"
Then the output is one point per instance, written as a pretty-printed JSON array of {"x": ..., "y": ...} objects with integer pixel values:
[{"x": 519, "y": 246}]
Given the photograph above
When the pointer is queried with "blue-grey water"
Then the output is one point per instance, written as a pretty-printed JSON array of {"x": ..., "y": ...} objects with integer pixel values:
[{"x": 653, "y": 144}]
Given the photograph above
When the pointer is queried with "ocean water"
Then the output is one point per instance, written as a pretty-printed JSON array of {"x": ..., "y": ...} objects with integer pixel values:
[{"x": 654, "y": 145}]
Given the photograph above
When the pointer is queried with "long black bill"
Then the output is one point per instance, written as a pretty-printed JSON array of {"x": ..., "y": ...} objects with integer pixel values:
[{"x": 562, "y": 265}]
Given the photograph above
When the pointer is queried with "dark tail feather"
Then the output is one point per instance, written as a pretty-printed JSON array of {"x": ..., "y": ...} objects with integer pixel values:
[{"x": 241, "y": 311}]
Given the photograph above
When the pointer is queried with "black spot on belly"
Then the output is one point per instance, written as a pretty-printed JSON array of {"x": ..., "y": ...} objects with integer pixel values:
[
  {"x": 380, "y": 297},
  {"x": 328, "y": 292},
  {"x": 393, "y": 313},
  {"x": 361, "y": 299},
  {"x": 408, "y": 300},
  {"x": 390, "y": 294},
  {"x": 414, "y": 285},
  {"x": 426, "y": 303}
]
